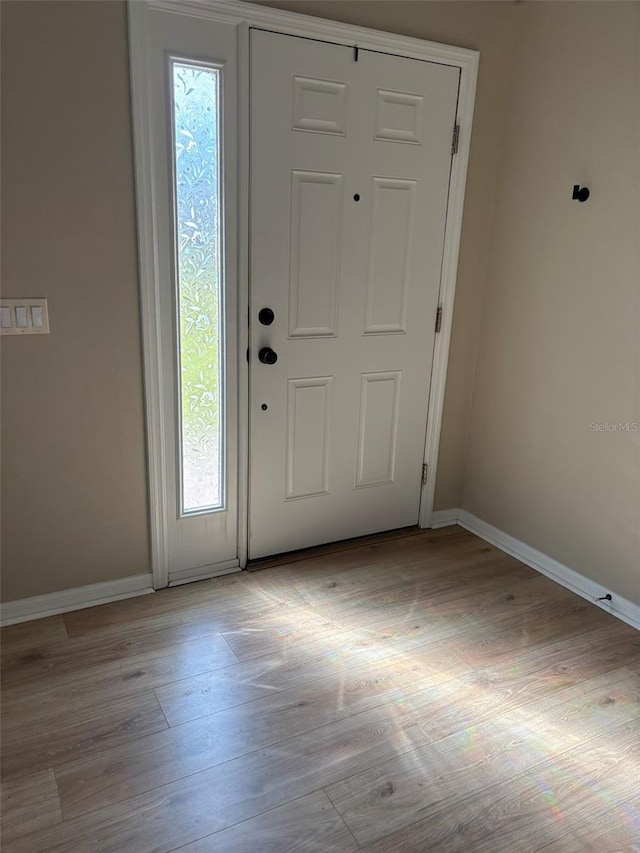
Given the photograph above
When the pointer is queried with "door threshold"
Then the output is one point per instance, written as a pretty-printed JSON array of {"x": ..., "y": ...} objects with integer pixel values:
[{"x": 331, "y": 548}]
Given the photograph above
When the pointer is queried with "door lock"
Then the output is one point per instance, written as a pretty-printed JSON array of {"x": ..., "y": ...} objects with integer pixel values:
[
  {"x": 267, "y": 356},
  {"x": 266, "y": 316}
]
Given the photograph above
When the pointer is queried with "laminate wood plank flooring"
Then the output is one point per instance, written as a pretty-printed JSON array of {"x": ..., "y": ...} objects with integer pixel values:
[
  {"x": 29, "y": 745},
  {"x": 29, "y": 801},
  {"x": 307, "y": 825},
  {"x": 415, "y": 692},
  {"x": 531, "y": 809},
  {"x": 20, "y": 638},
  {"x": 431, "y": 779},
  {"x": 615, "y": 831}
]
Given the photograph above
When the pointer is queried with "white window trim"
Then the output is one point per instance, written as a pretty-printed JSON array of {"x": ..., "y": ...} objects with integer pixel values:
[{"x": 244, "y": 16}]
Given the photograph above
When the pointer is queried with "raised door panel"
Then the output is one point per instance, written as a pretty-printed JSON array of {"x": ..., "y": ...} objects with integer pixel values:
[
  {"x": 399, "y": 117},
  {"x": 319, "y": 106},
  {"x": 393, "y": 207},
  {"x": 309, "y": 408},
  {"x": 316, "y": 229},
  {"x": 378, "y": 428}
]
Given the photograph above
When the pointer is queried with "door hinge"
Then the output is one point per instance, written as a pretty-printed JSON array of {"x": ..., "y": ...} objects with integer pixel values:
[
  {"x": 439, "y": 319},
  {"x": 356, "y": 51},
  {"x": 425, "y": 468},
  {"x": 455, "y": 139}
]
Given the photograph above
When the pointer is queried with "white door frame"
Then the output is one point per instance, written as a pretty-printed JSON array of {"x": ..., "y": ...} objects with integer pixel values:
[{"x": 244, "y": 16}]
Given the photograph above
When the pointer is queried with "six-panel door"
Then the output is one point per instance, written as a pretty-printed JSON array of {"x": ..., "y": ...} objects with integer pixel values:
[{"x": 350, "y": 165}]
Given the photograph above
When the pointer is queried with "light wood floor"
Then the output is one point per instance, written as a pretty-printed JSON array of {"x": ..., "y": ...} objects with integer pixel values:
[{"x": 424, "y": 693}]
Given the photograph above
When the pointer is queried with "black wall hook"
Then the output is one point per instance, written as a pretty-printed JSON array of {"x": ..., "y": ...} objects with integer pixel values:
[{"x": 580, "y": 193}]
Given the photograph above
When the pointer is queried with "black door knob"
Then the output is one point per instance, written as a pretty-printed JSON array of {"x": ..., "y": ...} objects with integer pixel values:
[
  {"x": 266, "y": 316},
  {"x": 267, "y": 355}
]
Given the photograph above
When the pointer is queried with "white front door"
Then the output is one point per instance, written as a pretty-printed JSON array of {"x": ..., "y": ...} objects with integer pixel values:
[{"x": 350, "y": 165}]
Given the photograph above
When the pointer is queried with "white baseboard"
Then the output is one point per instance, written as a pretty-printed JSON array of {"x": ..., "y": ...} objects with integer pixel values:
[
  {"x": 445, "y": 517},
  {"x": 622, "y": 608},
  {"x": 75, "y": 599}
]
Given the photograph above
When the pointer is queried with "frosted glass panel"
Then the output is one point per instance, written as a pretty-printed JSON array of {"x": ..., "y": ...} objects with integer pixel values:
[{"x": 198, "y": 246}]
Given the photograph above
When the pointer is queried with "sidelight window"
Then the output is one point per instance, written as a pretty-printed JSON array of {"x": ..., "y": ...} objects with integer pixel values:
[{"x": 198, "y": 233}]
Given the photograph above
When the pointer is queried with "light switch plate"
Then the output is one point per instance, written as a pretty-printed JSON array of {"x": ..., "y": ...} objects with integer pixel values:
[{"x": 12, "y": 310}]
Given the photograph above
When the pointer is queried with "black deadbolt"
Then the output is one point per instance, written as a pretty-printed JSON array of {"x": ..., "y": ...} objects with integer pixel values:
[
  {"x": 356, "y": 197},
  {"x": 267, "y": 355},
  {"x": 266, "y": 316},
  {"x": 264, "y": 407}
]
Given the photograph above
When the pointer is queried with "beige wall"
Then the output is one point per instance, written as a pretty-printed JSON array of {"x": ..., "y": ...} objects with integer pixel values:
[
  {"x": 559, "y": 347},
  {"x": 73, "y": 458},
  {"x": 557, "y": 327}
]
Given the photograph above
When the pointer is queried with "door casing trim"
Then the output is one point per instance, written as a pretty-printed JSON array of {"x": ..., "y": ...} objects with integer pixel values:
[{"x": 246, "y": 16}]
